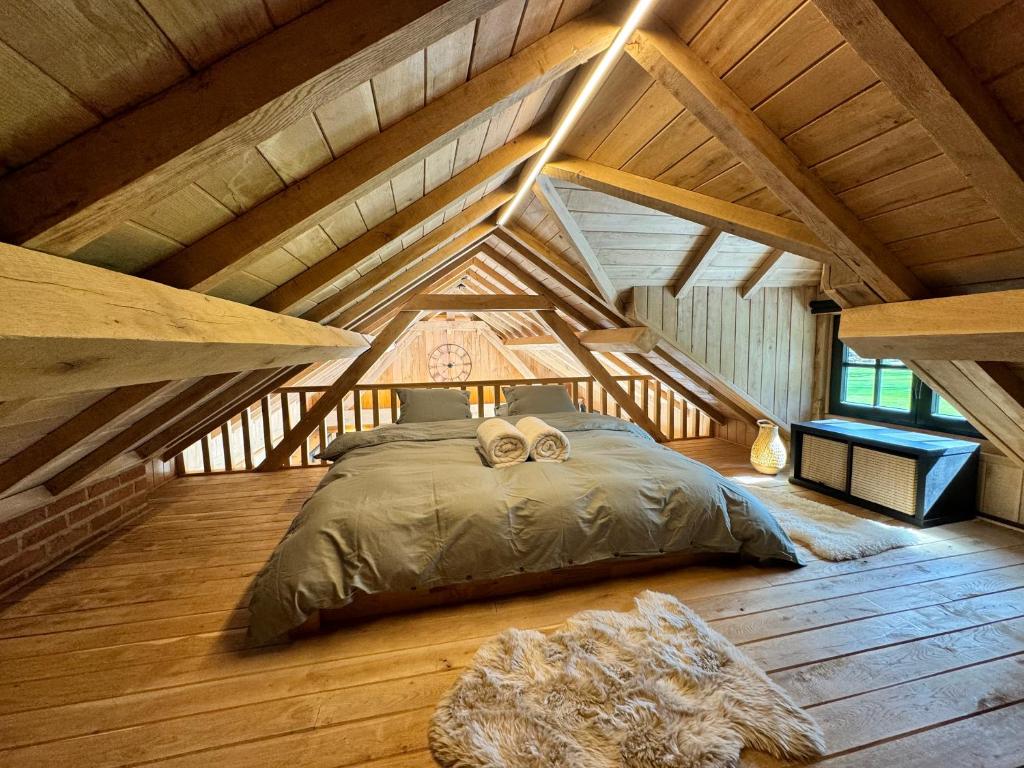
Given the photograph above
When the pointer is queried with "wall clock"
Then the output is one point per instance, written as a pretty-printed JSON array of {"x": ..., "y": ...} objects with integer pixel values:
[{"x": 449, "y": 362}]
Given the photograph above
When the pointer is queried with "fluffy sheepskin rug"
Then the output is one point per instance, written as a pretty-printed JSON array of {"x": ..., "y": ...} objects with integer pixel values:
[
  {"x": 829, "y": 533},
  {"x": 651, "y": 688}
]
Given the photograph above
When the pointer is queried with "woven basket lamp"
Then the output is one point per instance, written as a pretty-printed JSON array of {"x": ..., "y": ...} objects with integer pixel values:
[{"x": 768, "y": 453}]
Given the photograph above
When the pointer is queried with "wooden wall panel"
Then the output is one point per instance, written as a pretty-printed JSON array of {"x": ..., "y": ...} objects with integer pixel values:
[{"x": 764, "y": 346}]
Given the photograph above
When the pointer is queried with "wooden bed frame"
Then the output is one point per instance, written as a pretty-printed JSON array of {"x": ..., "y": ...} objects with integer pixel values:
[{"x": 366, "y": 607}]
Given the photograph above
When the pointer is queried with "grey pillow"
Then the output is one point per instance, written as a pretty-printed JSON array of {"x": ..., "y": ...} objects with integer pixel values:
[
  {"x": 539, "y": 398},
  {"x": 418, "y": 405}
]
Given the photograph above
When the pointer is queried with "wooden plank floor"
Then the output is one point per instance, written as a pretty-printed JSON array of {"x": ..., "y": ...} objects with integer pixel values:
[{"x": 134, "y": 653}]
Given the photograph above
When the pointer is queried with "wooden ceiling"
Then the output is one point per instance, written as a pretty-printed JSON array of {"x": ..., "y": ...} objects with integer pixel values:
[{"x": 328, "y": 159}]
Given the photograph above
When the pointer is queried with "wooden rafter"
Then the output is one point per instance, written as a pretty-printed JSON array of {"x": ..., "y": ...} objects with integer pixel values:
[
  {"x": 388, "y": 278},
  {"x": 341, "y": 182},
  {"x": 996, "y": 410},
  {"x": 749, "y": 223},
  {"x": 456, "y": 302},
  {"x": 698, "y": 262},
  {"x": 549, "y": 198},
  {"x": 519, "y": 238},
  {"x": 565, "y": 334},
  {"x": 279, "y": 454},
  {"x": 761, "y": 273},
  {"x": 912, "y": 56},
  {"x": 990, "y": 326},
  {"x": 683, "y": 74},
  {"x": 636, "y": 340},
  {"x": 325, "y": 271},
  {"x": 68, "y": 326},
  {"x": 101, "y": 179}
]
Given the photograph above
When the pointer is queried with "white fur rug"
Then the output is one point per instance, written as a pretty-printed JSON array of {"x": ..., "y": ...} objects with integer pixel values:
[
  {"x": 829, "y": 533},
  {"x": 651, "y": 688}
]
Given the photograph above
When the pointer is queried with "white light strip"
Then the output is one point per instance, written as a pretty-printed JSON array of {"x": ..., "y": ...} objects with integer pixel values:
[{"x": 586, "y": 93}]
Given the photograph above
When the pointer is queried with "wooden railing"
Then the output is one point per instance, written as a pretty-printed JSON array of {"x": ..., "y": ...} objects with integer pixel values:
[{"x": 238, "y": 445}]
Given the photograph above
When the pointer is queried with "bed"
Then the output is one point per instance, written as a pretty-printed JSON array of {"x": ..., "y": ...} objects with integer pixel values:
[{"x": 410, "y": 515}]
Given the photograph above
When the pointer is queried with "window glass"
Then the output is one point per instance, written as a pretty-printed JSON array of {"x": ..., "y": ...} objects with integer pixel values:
[
  {"x": 896, "y": 389},
  {"x": 942, "y": 407},
  {"x": 859, "y": 385}
]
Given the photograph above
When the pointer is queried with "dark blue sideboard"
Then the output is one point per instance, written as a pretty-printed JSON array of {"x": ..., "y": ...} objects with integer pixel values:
[{"x": 921, "y": 478}]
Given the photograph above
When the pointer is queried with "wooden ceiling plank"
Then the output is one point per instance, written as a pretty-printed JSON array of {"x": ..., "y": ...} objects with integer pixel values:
[
  {"x": 366, "y": 166},
  {"x": 69, "y": 327},
  {"x": 698, "y": 262},
  {"x": 912, "y": 56},
  {"x": 749, "y": 223},
  {"x": 763, "y": 271},
  {"x": 125, "y": 440},
  {"x": 514, "y": 233},
  {"x": 634, "y": 340},
  {"x": 682, "y": 72},
  {"x": 456, "y": 302},
  {"x": 291, "y": 293},
  {"x": 65, "y": 437},
  {"x": 101, "y": 179},
  {"x": 565, "y": 334},
  {"x": 460, "y": 232},
  {"x": 548, "y": 197},
  {"x": 987, "y": 326},
  {"x": 278, "y": 455}
]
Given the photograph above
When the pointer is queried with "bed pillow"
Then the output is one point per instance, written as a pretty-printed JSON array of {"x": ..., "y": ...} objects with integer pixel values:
[
  {"x": 419, "y": 405},
  {"x": 543, "y": 398}
]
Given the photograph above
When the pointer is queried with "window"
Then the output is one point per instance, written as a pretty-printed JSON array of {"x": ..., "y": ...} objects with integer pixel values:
[{"x": 886, "y": 390}]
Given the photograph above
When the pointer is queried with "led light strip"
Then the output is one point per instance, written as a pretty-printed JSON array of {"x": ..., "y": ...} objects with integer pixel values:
[{"x": 586, "y": 93}]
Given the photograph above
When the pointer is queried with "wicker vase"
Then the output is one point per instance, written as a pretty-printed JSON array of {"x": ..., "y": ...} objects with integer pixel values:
[{"x": 768, "y": 453}]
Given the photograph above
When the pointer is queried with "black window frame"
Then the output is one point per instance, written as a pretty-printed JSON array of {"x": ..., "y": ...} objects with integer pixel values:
[{"x": 922, "y": 399}]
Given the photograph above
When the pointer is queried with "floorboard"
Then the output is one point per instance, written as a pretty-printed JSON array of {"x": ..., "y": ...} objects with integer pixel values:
[{"x": 135, "y": 653}]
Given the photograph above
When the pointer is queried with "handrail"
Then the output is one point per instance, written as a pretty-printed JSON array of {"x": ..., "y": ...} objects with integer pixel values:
[{"x": 240, "y": 443}]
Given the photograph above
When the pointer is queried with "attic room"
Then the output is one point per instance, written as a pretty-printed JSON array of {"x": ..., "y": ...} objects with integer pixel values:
[{"x": 507, "y": 383}]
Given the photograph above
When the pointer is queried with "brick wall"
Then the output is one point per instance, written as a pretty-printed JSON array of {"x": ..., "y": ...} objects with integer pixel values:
[{"x": 34, "y": 541}]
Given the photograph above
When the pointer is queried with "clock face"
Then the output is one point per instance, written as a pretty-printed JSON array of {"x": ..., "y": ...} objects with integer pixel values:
[{"x": 449, "y": 362}]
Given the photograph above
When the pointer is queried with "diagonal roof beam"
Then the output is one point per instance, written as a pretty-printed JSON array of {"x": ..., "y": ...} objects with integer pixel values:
[
  {"x": 909, "y": 53},
  {"x": 341, "y": 182},
  {"x": 287, "y": 296},
  {"x": 764, "y": 269},
  {"x": 549, "y": 198},
  {"x": 749, "y": 223},
  {"x": 99, "y": 180},
  {"x": 698, "y": 262},
  {"x": 683, "y": 74},
  {"x": 987, "y": 393}
]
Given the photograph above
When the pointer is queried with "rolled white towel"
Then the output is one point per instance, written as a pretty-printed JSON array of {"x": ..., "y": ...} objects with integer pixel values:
[
  {"x": 501, "y": 443},
  {"x": 545, "y": 442}
]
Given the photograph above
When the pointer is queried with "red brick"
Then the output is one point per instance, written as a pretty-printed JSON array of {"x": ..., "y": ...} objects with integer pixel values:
[
  {"x": 9, "y": 548},
  {"x": 25, "y": 520},
  {"x": 140, "y": 485},
  {"x": 42, "y": 532},
  {"x": 67, "y": 542},
  {"x": 116, "y": 497},
  {"x": 106, "y": 518},
  {"x": 85, "y": 511},
  {"x": 98, "y": 489},
  {"x": 66, "y": 502},
  {"x": 132, "y": 474},
  {"x": 22, "y": 562}
]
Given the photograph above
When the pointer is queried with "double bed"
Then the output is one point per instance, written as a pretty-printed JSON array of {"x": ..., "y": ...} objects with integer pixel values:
[{"x": 410, "y": 514}]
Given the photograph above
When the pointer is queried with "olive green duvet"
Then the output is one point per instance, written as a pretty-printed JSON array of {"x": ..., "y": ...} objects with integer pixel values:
[{"x": 415, "y": 506}]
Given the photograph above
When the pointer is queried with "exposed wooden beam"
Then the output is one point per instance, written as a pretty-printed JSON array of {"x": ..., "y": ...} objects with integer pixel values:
[
  {"x": 637, "y": 340},
  {"x": 548, "y": 196},
  {"x": 387, "y": 277},
  {"x": 518, "y": 238},
  {"x": 460, "y": 302},
  {"x": 366, "y": 166},
  {"x": 698, "y": 262},
  {"x": 68, "y": 327},
  {"x": 279, "y": 454},
  {"x": 683, "y": 74},
  {"x": 99, "y": 180},
  {"x": 586, "y": 358},
  {"x": 749, "y": 223},
  {"x": 79, "y": 427},
  {"x": 99, "y": 457},
  {"x": 325, "y": 271},
  {"x": 761, "y": 273},
  {"x": 911, "y": 55},
  {"x": 980, "y": 326}
]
